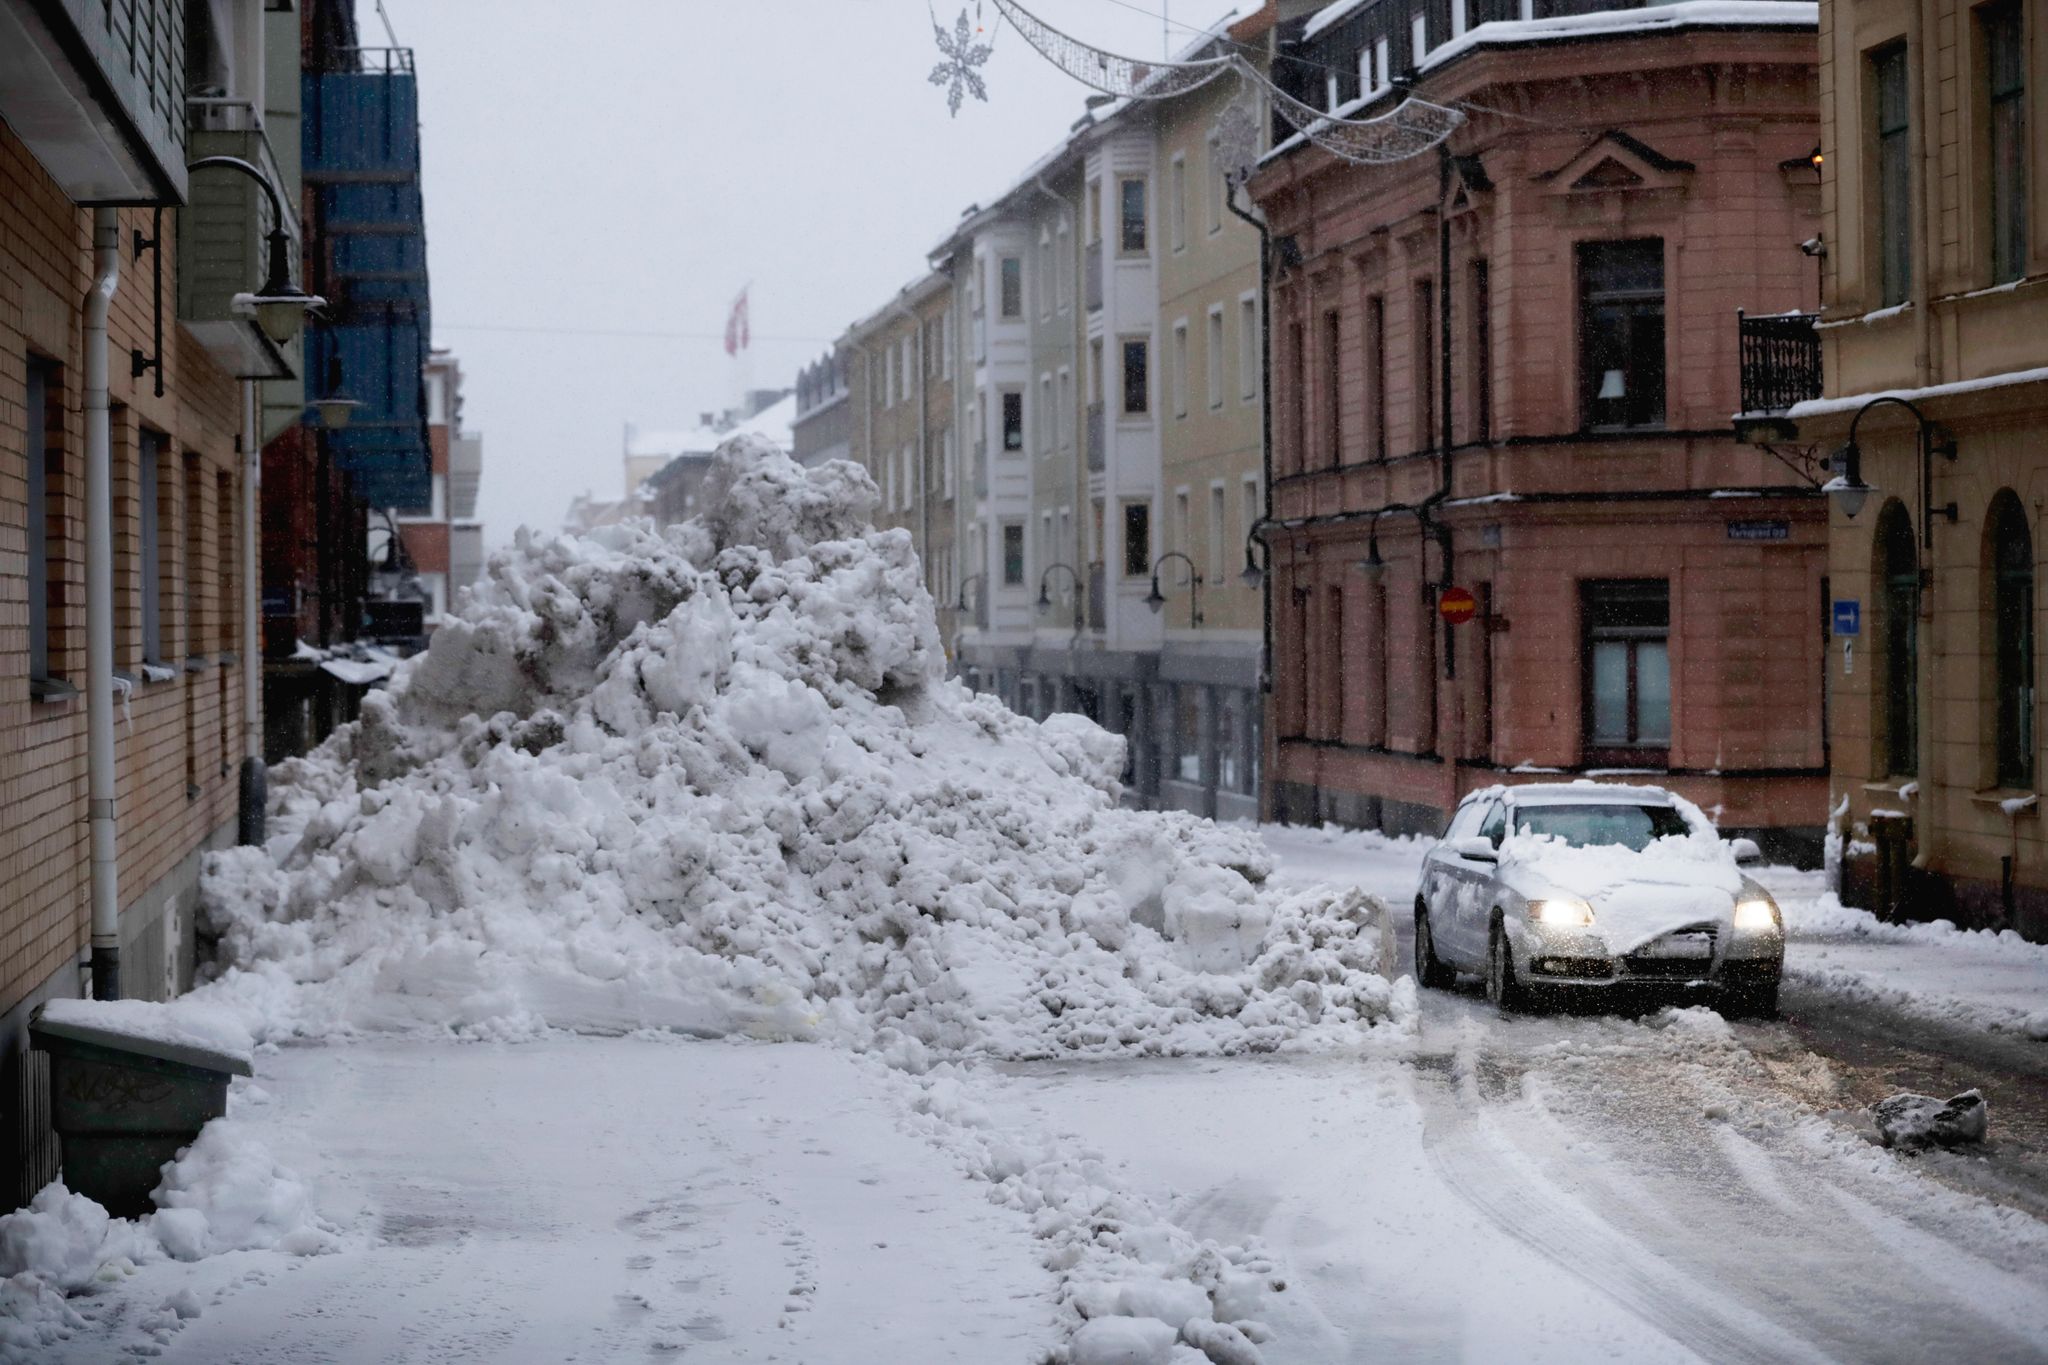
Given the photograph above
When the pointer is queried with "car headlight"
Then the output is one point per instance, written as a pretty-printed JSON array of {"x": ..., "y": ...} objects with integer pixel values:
[
  {"x": 1756, "y": 912},
  {"x": 1561, "y": 914}
]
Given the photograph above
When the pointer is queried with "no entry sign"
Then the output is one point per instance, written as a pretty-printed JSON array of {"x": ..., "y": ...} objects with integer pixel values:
[{"x": 1457, "y": 606}]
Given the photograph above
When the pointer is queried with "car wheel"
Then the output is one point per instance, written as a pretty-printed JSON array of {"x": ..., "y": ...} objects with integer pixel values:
[
  {"x": 1507, "y": 994},
  {"x": 1430, "y": 971}
]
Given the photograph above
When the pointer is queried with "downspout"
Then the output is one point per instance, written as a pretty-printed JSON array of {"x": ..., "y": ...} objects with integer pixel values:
[
  {"x": 1920, "y": 294},
  {"x": 99, "y": 613},
  {"x": 1265, "y": 427},
  {"x": 1450, "y": 737},
  {"x": 254, "y": 783}
]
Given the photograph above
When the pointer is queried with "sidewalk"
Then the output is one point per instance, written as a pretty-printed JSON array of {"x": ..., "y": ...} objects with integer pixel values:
[{"x": 1973, "y": 978}]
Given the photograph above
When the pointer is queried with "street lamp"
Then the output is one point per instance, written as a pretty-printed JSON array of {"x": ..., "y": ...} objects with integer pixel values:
[
  {"x": 280, "y": 307},
  {"x": 960, "y": 604},
  {"x": 1045, "y": 596},
  {"x": 1253, "y": 576},
  {"x": 1372, "y": 566},
  {"x": 1851, "y": 492},
  {"x": 1157, "y": 600}
]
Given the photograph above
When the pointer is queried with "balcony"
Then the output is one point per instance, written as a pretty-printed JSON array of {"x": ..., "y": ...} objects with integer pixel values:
[
  {"x": 1097, "y": 440},
  {"x": 1780, "y": 357},
  {"x": 223, "y": 236},
  {"x": 1091, "y": 276},
  {"x": 93, "y": 88},
  {"x": 362, "y": 159}
]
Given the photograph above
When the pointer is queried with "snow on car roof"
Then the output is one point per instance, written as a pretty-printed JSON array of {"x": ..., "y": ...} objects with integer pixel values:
[{"x": 1585, "y": 791}]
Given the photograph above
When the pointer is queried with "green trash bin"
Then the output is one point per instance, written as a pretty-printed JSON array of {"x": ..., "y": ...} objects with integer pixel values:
[{"x": 123, "y": 1106}]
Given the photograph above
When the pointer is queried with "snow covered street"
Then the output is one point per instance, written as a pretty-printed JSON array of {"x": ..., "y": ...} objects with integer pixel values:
[{"x": 1662, "y": 1188}]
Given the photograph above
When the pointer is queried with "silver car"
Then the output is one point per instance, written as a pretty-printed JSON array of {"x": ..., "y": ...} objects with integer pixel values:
[{"x": 1574, "y": 888}]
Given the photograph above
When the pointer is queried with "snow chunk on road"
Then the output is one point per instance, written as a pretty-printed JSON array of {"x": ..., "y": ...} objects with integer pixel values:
[
  {"x": 714, "y": 780},
  {"x": 1920, "y": 1120}
]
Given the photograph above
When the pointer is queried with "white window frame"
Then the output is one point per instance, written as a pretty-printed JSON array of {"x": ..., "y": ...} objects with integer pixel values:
[
  {"x": 1331, "y": 92},
  {"x": 1183, "y": 530},
  {"x": 1065, "y": 397},
  {"x": 1045, "y": 420},
  {"x": 1366, "y": 82},
  {"x": 1458, "y": 18},
  {"x": 1383, "y": 57},
  {"x": 1418, "y": 37}
]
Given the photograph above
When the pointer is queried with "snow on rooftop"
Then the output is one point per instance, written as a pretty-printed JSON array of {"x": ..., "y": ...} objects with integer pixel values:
[
  {"x": 1824, "y": 407},
  {"x": 1649, "y": 19}
]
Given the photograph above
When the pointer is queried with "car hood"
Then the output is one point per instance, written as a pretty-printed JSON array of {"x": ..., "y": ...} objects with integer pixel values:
[{"x": 1635, "y": 897}]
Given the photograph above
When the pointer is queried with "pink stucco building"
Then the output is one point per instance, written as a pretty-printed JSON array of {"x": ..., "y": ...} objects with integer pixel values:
[{"x": 1509, "y": 365}]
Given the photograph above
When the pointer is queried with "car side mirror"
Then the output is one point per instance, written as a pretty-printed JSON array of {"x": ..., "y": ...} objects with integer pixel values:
[
  {"x": 1745, "y": 851},
  {"x": 1478, "y": 848}
]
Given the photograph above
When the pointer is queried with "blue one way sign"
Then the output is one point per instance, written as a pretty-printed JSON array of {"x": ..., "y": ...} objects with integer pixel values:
[{"x": 1849, "y": 617}]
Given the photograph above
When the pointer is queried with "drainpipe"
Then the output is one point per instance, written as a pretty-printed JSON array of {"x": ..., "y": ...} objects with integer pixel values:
[
  {"x": 254, "y": 784},
  {"x": 99, "y": 613},
  {"x": 1265, "y": 467}
]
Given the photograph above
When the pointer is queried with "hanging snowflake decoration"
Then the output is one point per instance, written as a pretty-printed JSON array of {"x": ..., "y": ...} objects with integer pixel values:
[
  {"x": 1236, "y": 131},
  {"x": 961, "y": 55}
]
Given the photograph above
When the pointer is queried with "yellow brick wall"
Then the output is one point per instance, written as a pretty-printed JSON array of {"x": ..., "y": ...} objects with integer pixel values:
[{"x": 177, "y": 742}]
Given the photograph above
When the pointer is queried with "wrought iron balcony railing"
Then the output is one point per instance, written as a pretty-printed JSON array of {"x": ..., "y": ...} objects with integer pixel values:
[{"x": 1780, "y": 361}]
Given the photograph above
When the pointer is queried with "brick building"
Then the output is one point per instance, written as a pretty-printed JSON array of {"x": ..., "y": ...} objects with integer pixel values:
[
  {"x": 1509, "y": 366},
  {"x": 99, "y": 119}
]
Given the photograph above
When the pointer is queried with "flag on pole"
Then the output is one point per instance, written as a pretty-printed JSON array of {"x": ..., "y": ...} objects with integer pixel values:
[{"x": 736, "y": 334}]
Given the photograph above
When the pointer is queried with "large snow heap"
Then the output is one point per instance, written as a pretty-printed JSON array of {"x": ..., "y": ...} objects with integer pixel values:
[{"x": 714, "y": 779}]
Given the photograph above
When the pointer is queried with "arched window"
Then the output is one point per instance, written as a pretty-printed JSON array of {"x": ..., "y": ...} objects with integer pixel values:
[
  {"x": 1895, "y": 574},
  {"x": 2009, "y": 547}
]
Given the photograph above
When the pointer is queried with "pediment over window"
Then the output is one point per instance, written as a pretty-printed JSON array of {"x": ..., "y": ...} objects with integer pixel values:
[
  {"x": 1470, "y": 185},
  {"x": 1614, "y": 162}
]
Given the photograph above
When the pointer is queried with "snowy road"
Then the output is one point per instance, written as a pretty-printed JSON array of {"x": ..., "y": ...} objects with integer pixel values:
[{"x": 1662, "y": 1188}]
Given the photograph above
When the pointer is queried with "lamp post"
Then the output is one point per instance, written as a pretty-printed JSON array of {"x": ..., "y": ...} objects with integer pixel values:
[
  {"x": 1045, "y": 597},
  {"x": 280, "y": 308},
  {"x": 1157, "y": 600},
  {"x": 1851, "y": 492}
]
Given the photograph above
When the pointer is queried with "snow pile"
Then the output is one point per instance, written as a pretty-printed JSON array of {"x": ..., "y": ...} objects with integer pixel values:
[
  {"x": 223, "y": 1193},
  {"x": 713, "y": 780}
]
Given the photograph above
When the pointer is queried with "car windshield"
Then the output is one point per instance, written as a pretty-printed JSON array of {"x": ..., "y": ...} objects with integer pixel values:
[{"x": 1629, "y": 825}]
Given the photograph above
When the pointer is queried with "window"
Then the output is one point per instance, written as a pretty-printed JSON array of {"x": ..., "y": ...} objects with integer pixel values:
[
  {"x": 946, "y": 345},
  {"x": 1063, "y": 267},
  {"x": 1013, "y": 554},
  {"x": 1627, "y": 625},
  {"x": 1424, "y": 332},
  {"x": 1180, "y": 368},
  {"x": 1366, "y": 82},
  {"x": 1333, "y": 388},
  {"x": 1179, "y": 208},
  {"x": 1045, "y": 414},
  {"x": 1212, "y": 356},
  {"x": 1219, "y": 185},
  {"x": 2010, "y": 553},
  {"x": 1013, "y": 286},
  {"x": 1333, "y": 653},
  {"x": 1894, "y": 175},
  {"x": 1383, "y": 59},
  {"x": 1377, "y": 673},
  {"x": 1418, "y": 36},
  {"x": 1248, "y": 347},
  {"x": 1066, "y": 400},
  {"x": 1187, "y": 733},
  {"x": 1621, "y": 333},
  {"x": 149, "y": 497},
  {"x": 1482, "y": 352},
  {"x": 1137, "y": 539},
  {"x": 1458, "y": 18},
  {"x": 948, "y": 457},
  {"x": 1897, "y": 573},
  {"x": 194, "y": 507},
  {"x": 42, "y": 396},
  {"x": 1182, "y": 532},
  {"x": 1297, "y": 422},
  {"x": 224, "y": 555},
  {"x": 2006, "y": 106},
  {"x": 1137, "y": 378},
  {"x": 1013, "y": 420},
  {"x": 1217, "y": 566},
  {"x": 1042, "y": 286},
  {"x": 1333, "y": 92},
  {"x": 1131, "y": 216},
  {"x": 1231, "y": 742},
  {"x": 888, "y": 378},
  {"x": 1250, "y": 512}
]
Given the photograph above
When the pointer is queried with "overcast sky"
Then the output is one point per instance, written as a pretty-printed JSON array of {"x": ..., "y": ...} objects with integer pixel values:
[{"x": 609, "y": 166}]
